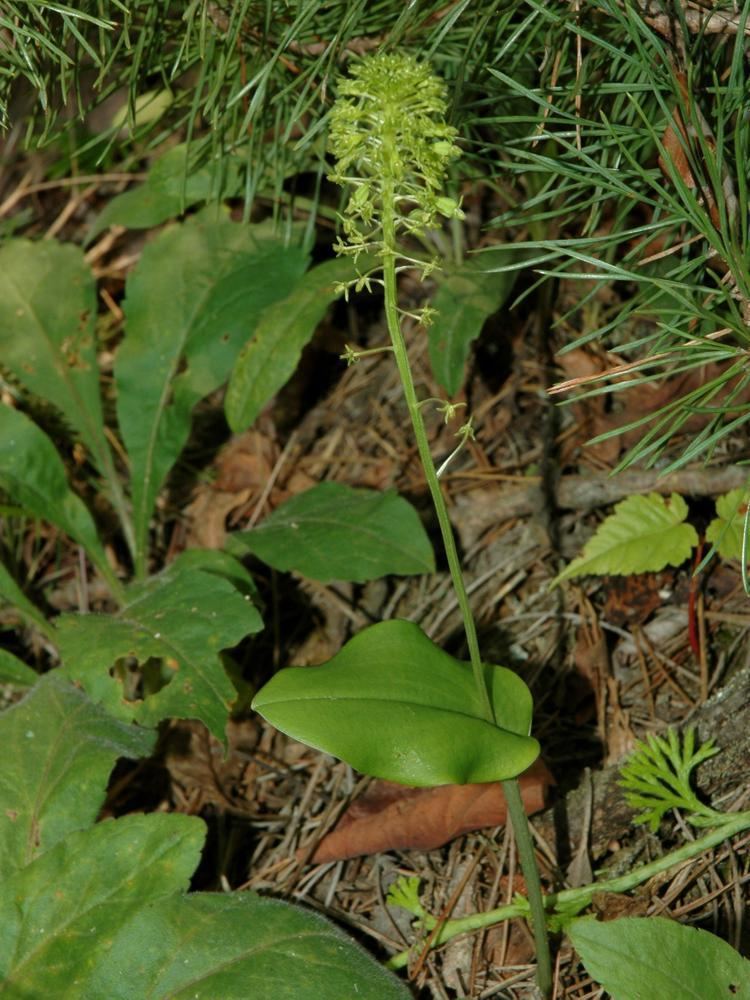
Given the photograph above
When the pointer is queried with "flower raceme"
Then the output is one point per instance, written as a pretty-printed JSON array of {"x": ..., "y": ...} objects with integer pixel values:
[{"x": 393, "y": 147}]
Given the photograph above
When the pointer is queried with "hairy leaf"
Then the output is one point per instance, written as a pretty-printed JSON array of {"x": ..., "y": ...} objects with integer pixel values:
[
  {"x": 54, "y": 781},
  {"x": 644, "y": 534},
  {"x": 33, "y": 475},
  {"x": 236, "y": 946},
  {"x": 183, "y": 617},
  {"x": 334, "y": 532},
  {"x": 659, "y": 959},
  {"x": 394, "y": 705},
  {"x": 726, "y": 529},
  {"x": 270, "y": 357},
  {"x": 465, "y": 298},
  {"x": 191, "y": 303},
  {"x": 47, "y": 335},
  {"x": 59, "y": 915}
]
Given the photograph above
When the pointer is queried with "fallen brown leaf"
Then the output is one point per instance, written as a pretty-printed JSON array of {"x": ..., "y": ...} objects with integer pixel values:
[{"x": 393, "y": 817}]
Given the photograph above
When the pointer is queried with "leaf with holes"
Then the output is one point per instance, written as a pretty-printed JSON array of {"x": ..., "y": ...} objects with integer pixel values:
[
  {"x": 183, "y": 617},
  {"x": 394, "y": 705}
]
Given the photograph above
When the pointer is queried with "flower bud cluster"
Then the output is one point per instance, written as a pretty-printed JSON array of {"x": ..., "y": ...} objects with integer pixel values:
[{"x": 393, "y": 148}]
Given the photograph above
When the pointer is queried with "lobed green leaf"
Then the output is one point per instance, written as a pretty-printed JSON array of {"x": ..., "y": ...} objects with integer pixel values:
[{"x": 726, "y": 529}]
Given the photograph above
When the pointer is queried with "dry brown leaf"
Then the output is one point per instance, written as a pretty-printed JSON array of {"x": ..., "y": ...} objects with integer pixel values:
[{"x": 394, "y": 817}]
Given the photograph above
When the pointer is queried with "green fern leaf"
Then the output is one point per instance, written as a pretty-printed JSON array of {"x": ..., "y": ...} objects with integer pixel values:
[
  {"x": 644, "y": 534},
  {"x": 725, "y": 531}
]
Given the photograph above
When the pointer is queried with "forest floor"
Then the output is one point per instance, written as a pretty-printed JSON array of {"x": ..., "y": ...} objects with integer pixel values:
[{"x": 609, "y": 660}]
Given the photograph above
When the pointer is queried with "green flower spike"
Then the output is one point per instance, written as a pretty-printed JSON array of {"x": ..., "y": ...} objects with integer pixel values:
[{"x": 393, "y": 147}]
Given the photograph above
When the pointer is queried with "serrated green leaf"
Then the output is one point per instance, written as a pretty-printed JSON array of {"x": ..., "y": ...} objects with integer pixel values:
[
  {"x": 270, "y": 357},
  {"x": 465, "y": 298},
  {"x": 168, "y": 190},
  {"x": 236, "y": 946},
  {"x": 54, "y": 781},
  {"x": 47, "y": 333},
  {"x": 192, "y": 301},
  {"x": 33, "y": 475},
  {"x": 184, "y": 617},
  {"x": 60, "y": 914},
  {"x": 726, "y": 529},
  {"x": 334, "y": 532},
  {"x": 16, "y": 672},
  {"x": 644, "y": 534},
  {"x": 652, "y": 958},
  {"x": 394, "y": 705}
]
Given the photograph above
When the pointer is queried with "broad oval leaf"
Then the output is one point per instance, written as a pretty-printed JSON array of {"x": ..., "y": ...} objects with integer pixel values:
[
  {"x": 726, "y": 529},
  {"x": 644, "y": 534},
  {"x": 32, "y": 473},
  {"x": 183, "y": 617},
  {"x": 190, "y": 304},
  {"x": 55, "y": 781},
  {"x": 394, "y": 705},
  {"x": 236, "y": 946},
  {"x": 59, "y": 914},
  {"x": 465, "y": 298},
  {"x": 334, "y": 532},
  {"x": 270, "y": 357},
  {"x": 652, "y": 958},
  {"x": 47, "y": 333}
]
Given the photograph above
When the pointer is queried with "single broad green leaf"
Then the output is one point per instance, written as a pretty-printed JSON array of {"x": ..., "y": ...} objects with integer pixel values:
[
  {"x": 726, "y": 529},
  {"x": 33, "y": 475},
  {"x": 192, "y": 301},
  {"x": 394, "y": 705},
  {"x": 270, "y": 357},
  {"x": 11, "y": 593},
  {"x": 169, "y": 189},
  {"x": 47, "y": 333},
  {"x": 465, "y": 298},
  {"x": 334, "y": 532},
  {"x": 15, "y": 672},
  {"x": 652, "y": 958},
  {"x": 221, "y": 564},
  {"x": 54, "y": 780},
  {"x": 183, "y": 617},
  {"x": 643, "y": 535},
  {"x": 60, "y": 914},
  {"x": 236, "y": 946}
]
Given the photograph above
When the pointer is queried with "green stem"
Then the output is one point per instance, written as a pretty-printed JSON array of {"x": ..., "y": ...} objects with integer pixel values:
[
  {"x": 574, "y": 900},
  {"x": 525, "y": 846},
  {"x": 433, "y": 483},
  {"x": 511, "y": 788}
]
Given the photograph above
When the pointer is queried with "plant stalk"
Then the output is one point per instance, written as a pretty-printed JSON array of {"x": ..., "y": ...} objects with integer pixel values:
[{"x": 511, "y": 788}]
